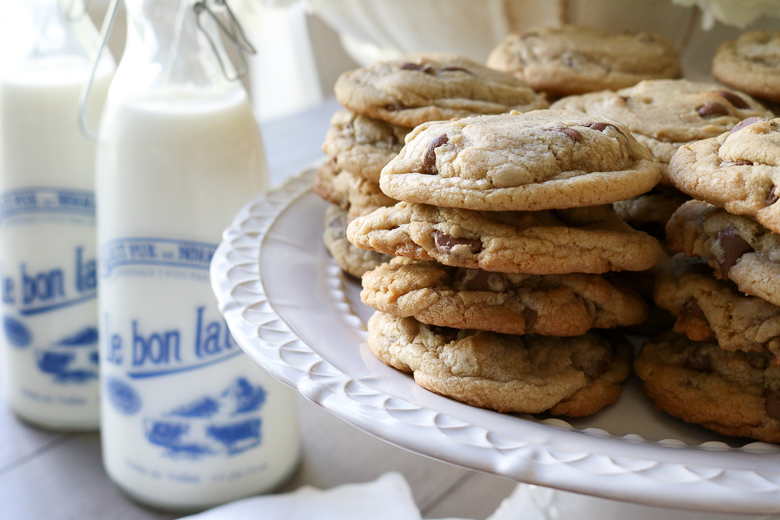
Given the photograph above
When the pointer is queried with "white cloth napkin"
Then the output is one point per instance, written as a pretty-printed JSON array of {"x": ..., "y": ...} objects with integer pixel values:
[{"x": 387, "y": 498}]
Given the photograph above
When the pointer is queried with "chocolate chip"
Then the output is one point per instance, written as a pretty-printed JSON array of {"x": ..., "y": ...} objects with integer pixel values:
[
  {"x": 734, "y": 246},
  {"x": 593, "y": 368},
  {"x": 427, "y": 69},
  {"x": 598, "y": 125},
  {"x": 429, "y": 159},
  {"x": 772, "y": 403},
  {"x": 746, "y": 122},
  {"x": 734, "y": 99},
  {"x": 456, "y": 69},
  {"x": 699, "y": 361},
  {"x": 712, "y": 110},
  {"x": 573, "y": 134},
  {"x": 395, "y": 107},
  {"x": 479, "y": 280},
  {"x": 446, "y": 243},
  {"x": 530, "y": 318},
  {"x": 771, "y": 197}
]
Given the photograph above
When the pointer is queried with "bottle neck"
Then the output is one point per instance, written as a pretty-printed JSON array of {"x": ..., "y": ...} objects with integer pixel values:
[
  {"x": 34, "y": 30},
  {"x": 167, "y": 48}
]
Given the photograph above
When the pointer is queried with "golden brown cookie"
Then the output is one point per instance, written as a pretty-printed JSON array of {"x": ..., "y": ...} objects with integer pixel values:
[
  {"x": 546, "y": 159},
  {"x": 738, "y": 170},
  {"x": 737, "y": 247},
  {"x": 585, "y": 240},
  {"x": 528, "y": 374},
  {"x": 732, "y": 393},
  {"x": 350, "y": 259},
  {"x": 750, "y": 63},
  {"x": 362, "y": 145},
  {"x": 355, "y": 195},
  {"x": 562, "y": 61},
  {"x": 557, "y": 305},
  {"x": 708, "y": 309},
  {"x": 430, "y": 87}
]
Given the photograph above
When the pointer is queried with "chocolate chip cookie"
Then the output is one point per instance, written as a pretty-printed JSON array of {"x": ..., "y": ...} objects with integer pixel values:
[
  {"x": 751, "y": 63},
  {"x": 352, "y": 193},
  {"x": 733, "y": 393},
  {"x": 528, "y": 374},
  {"x": 708, "y": 309},
  {"x": 562, "y": 61},
  {"x": 586, "y": 240},
  {"x": 546, "y": 159},
  {"x": 665, "y": 114},
  {"x": 350, "y": 259},
  {"x": 737, "y": 171},
  {"x": 432, "y": 86},
  {"x": 737, "y": 247},
  {"x": 557, "y": 305},
  {"x": 362, "y": 145}
]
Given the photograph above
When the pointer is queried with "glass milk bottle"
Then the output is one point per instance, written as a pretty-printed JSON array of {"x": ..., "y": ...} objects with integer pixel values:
[
  {"x": 48, "y": 278},
  {"x": 188, "y": 420}
]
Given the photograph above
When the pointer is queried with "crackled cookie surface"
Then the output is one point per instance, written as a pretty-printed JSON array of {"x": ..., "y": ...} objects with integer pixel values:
[
  {"x": 362, "y": 145},
  {"x": 559, "y": 305},
  {"x": 751, "y": 63},
  {"x": 737, "y": 247},
  {"x": 529, "y": 374},
  {"x": 733, "y": 393},
  {"x": 665, "y": 114},
  {"x": 708, "y": 309},
  {"x": 586, "y": 240},
  {"x": 568, "y": 60},
  {"x": 349, "y": 258},
  {"x": 547, "y": 159},
  {"x": 432, "y": 86},
  {"x": 738, "y": 170},
  {"x": 352, "y": 193}
]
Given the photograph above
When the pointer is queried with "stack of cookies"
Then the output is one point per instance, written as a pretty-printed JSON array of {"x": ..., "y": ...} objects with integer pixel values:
[
  {"x": 664, "y": 115},
  {"x": 505, "y": 239},
  {"x": 383, "y": 103},
  {"x": 721, "y": 365}
]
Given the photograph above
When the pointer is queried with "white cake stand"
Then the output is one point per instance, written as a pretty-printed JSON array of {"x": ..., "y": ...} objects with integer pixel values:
[{"x": 298, "y": 317}]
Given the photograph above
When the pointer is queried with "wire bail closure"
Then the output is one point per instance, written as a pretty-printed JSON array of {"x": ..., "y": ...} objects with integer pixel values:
[
  {"x": 105, "y": 30},
  {"x": 231, "y": 29}
]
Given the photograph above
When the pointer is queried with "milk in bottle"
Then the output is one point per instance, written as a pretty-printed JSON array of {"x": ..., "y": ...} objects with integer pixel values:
[
  {"x": 188, "y": 421},
  {"x": 48, "y": 275}
]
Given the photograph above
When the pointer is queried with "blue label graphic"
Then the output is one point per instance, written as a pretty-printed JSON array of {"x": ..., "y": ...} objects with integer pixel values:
[
  {"x": 16, "y": 332},
  {"x": 72, "y": 359},
  {"x": 122, "y": 396},
  {"x": 226, "y": 424},
  {"x": 155, "y": 251},
  {"x": 46, "y": 199}
]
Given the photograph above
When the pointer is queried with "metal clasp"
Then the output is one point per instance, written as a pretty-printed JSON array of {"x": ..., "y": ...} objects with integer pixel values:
[{"x": 232, "y": 30}]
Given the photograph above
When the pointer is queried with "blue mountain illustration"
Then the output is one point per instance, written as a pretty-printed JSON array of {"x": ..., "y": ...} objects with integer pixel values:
[
  {"x": 85, "y": 337},
  {"x": 16, "y": 332},
  {"x": 66, "y": 364},
  {"x": 211, "y": 425}
]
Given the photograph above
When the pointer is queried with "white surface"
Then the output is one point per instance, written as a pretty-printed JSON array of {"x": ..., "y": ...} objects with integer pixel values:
[{"x": 292, "y": 311}]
